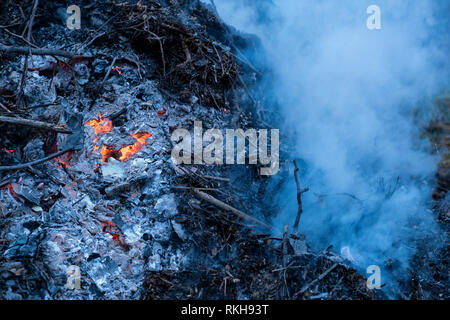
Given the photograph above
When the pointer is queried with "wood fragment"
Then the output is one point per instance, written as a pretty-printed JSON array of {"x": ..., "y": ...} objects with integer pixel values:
[
  {"x": 191, "y": 188},
  {"x": 215, "y": 178},
  {"x": 5, "y": 108},
  {"x": 35, "y": 124},
  {"x": 204, "y": 196},
  {"x": 284, "y": 290},
  {"x": 109, "y": 70},
  {"x": 285, "y": 245},
  {"x": 35, "y": 51},
  {"x": 323, "y": 275}
]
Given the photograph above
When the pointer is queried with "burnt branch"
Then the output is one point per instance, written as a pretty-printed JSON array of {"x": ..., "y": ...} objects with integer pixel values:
[
  {"x": 299, "y": 196},
  {"x": 32, "y": 163},
  {"x": 223, "y": 205},
  {"x": 35, "y": 51},
  {"x": 35, "y": 124}
]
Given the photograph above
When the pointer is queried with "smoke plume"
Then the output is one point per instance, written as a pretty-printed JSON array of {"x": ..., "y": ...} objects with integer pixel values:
[{"x": 347, "y": 96}]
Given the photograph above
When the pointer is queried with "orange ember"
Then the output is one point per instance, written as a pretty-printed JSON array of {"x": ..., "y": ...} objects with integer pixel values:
[
  {"x": 126, "y": 152},
  {"x": 162, "y": 112},
  {"x": 7, "y": 150},
  {"x": 117, "y": 68},
  {"x": 10, "y": 188},
  {"x": 64, "y": 160},
  {"x": 111, "y": 228},
  {"x": 100, "y": 125}
]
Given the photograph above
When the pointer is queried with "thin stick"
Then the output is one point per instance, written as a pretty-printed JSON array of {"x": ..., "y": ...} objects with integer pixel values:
[
  {"x": 162, "y": 51},
  {"x": 215, "y": 178},
  {"x": 285, "y": 244},
  {"x": 21, "y": 38},
  {"x": 109, "y": 70},
  {"x": 25, "y": 66},
  {"x": 32, "y": 163},
  {"x": 223, "y": 205},
  {"x": 35, "y": 124},
  {"x": 323, "y": 275},
  {"x": 299, "y": 197},
  {"x": 191, "y": 188},
  {"x": 5, "y": 108},
  {"x": 35, "y": 51},
  {"x": 284, "y": 289},
  {"x": 30, "y": 23}
]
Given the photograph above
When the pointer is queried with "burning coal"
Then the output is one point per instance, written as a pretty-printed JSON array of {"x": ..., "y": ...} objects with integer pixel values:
[
  {"x": 7, "y": 150},
  {"x": 100, "y": 125},
  {"x": 126, "y": 152},
  {"x": 104, "y": 125},
  {"x": 64, "y": 160}
]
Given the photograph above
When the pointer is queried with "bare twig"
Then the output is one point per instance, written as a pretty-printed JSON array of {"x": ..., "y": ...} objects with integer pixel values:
[
  {"x": 285, "y": 245},
  {"x": 299, "y": 197},
  {"x": 161, "y": 49},
  {"x": 21, "y": 38},
  {"x": 216, "y": 178},
  {"x": 109, "y": 70},
  {"x": 284, "y": 288},
  {"x": 5, "y": 108},
  {"x": 35, "y": 51},
  {"x": 323, "y": 275},
  {"x": 35, "y": 124},
  {"x": 25, "y": 66},
  {"x": 223, "y": 205},
  {"x": 191, "y": 188}
]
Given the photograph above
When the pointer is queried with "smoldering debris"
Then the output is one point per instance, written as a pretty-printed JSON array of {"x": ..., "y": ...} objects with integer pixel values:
[{"x": 88, "y": 190}]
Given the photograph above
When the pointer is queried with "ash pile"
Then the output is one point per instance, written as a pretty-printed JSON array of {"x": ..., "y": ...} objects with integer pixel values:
[{"x": 92, "y": 205}]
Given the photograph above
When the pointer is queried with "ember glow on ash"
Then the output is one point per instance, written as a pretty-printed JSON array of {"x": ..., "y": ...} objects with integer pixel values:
[
  {"x": 117, "y": 68},
  {"x": 10, "y": 188},
  {"x": 104, "y": 125},
  {"x": 126, "y": 152},
  {"x": 64, "y": 160},
  {"x": 100, "y": 125},
  {"x": 162, "y": 112},
  {"x": 112, "y": 229},
  {"x": 7, "y": 150}
]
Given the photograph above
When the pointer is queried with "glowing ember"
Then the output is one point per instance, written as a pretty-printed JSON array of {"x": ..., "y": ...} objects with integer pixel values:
[
  {"x": 111, "y": 228},
  {"x": 100, "y": 125},
  {"x": 64, "y": 160},
  {"x": 117, "y": 68},
  {"x": 162, "y": 112},
  {"x": 7, "y": 150},
  {"x": 10, "y": 188},
  {"x": 126, "y": 152}
]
